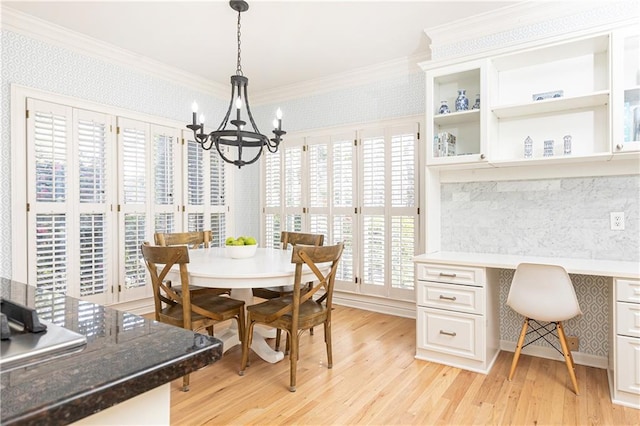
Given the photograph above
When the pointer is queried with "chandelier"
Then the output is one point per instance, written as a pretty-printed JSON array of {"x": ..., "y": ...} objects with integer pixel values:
[{"x": 239, "y": 137}]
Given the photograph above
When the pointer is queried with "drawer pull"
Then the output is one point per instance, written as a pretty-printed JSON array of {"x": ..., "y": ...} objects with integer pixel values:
[
  {"x": 448, "y": 333},
  {"x": 444, "y": 274},
  {"x": 452, "y": 298}
]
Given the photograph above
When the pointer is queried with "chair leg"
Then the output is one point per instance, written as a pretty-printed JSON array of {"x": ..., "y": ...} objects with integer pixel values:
[
  {"x": 568, "y": 358},
  {"x": 516, "y": 354},
  {"x": 246, "y": 344},
  {"x": 327, "y": 339},
  {"x": 293, "y": 358},
  {"x": 278, "y": 335},
  {"x": 185, "y": 383}
]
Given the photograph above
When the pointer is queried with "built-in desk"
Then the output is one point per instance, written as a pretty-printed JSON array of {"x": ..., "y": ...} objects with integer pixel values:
[{"x": 458, "y": 305}]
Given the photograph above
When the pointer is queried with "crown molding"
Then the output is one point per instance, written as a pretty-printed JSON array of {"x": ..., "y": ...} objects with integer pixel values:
[
  {"x": 521, "y": 17},
  {"x": 39, "y": 29},
  {"x": 356, "y": 77},
  {"x": 19, "y": 22}
]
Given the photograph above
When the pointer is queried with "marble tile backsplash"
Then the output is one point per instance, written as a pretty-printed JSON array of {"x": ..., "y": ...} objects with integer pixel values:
[{"x": 567, "y": 217}]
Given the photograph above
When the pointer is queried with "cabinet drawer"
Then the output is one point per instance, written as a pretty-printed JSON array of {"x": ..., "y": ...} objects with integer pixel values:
[
  {"x": 628, "y": 364},
  {"x": 627, "y": 290},
  {"x": 628, "y": 319},
  {"x": 450, "y": 332},
  {"x": 453, "y": 274},
  {"x": 453, "y": 297}
]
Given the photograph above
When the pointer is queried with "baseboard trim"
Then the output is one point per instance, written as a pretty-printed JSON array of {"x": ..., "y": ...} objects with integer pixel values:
[
  {"x": 399, "y": 308},
  {"x": 137, "y": 307},
  {"x": 549, "y": 353}
]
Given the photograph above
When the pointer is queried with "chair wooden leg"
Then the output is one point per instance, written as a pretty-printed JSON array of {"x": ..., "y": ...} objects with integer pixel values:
[
  {"x": 293, "y": 358},
  {"x": 327, "y": 340},
  {"x": 278, "y": 336},
  {"x": 516, "y": 354},
  {"x": 185, "y": 383},
  {"x": 246, "y": 344},
  {"x": 568, "y": 358}
]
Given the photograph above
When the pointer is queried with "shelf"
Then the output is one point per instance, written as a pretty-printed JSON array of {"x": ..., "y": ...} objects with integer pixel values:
[
  {"x": 469, "y": 116},
  {"x": 564, "y": 159},
  {"x": 596, "y": 99}
]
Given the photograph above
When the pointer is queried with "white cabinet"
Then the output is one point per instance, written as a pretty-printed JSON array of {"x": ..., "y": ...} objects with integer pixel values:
[
  {"x": 443, "y": 87},
  {"x": 456, "y": 311},
  {"x": 626, "y": 89},
  {"x": 585, "y": 88},
  {"x": 625, "y": 377}
]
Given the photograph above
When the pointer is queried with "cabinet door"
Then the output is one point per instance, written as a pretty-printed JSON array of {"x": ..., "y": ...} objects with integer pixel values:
[
  {"x": 628, "y": 368},
  {"x": 451, "y": 333},
  {"x": 626, "y": 91},
  {"x": 456, "y": 136}
]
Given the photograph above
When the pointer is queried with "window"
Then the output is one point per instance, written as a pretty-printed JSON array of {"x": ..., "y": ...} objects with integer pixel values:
[
  {"x": 99, "y": 185},
  {"x": 358, "y": 187}
]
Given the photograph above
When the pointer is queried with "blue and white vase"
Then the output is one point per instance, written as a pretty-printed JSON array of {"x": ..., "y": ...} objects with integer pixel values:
[
  {"x": 444, "y": 108},
  {"x": 462, "y": 102}
]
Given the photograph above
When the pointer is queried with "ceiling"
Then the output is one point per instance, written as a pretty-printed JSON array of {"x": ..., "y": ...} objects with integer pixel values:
[{"x": 283, "y": 42}]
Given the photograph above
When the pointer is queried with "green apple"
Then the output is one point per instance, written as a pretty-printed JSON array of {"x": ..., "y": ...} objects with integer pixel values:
[
  {"x": 229, "y": 241},
  {"x": 240, "y": 240},
  {"x": 250, "y": 241}
]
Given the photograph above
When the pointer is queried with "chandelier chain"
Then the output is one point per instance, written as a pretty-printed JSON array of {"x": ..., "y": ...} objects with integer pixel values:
[{"x": 239, "y": 67}]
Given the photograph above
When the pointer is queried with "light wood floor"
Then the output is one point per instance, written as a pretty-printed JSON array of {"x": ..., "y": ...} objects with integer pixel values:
[{"x": 376, "y": 380}]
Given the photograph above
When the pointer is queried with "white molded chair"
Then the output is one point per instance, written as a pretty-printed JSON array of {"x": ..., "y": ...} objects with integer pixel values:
[{"x": 544, "y": 293}]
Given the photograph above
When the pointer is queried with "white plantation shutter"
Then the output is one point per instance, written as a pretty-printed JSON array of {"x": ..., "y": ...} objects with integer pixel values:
[
  {"x": 70, "y": 194},
  {"x": 359, "y": 188},
  {"x": 97, "y": 187},
  {"x": 49, "y": 134},
  {"x": 206, "y": 188},
  {"x": 51, "y": 252},
  {"x": 218, "y": 177},
  {"x": 195, "y": 174},
  {"x": 94, "y": 254},
  {"x": 135, "y": 202},
  {"x": 318, "y": 184},
  {"x": 293, "y": 176},
  {"x": 293, "y": 184},
  {"x": 403, "y": 208},
  {"x": 271, "y": 219},
  {"x": 217, "y": 199},
  {"x": 218, "y": 229},
  {"x": 96, "y": 195},
  {"x": 344, "y": 221},
  {"x": 372, "y": 221},
  {"x": 166, "y": 174}
]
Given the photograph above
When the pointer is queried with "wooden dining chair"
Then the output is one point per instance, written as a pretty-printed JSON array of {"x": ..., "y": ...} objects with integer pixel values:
[
  {"x": 193, "y": 240},
  {"x": 300, "y": 311},
  {"x": 288, "y": 238},
  {"x": 184, "y": 309}
]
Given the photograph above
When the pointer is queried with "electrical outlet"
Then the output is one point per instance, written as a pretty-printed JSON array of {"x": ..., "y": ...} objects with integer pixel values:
[
  {"x": 617, "y": 221},
  {"x": 573, "y": 342}
]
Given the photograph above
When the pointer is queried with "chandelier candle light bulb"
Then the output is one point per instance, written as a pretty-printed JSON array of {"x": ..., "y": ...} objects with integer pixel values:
[{"x": 242, "y": 136}]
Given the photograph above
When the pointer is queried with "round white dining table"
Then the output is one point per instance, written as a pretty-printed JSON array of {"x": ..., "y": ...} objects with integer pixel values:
[{"x": 212, "y": 267}]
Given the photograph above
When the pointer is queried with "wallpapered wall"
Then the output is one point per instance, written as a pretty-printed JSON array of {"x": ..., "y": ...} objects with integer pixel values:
[{"x": 40, "y": 65}]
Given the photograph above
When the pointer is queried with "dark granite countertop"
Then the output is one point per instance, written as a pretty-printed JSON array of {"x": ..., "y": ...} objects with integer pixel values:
[{"x": 126, "y": 355}]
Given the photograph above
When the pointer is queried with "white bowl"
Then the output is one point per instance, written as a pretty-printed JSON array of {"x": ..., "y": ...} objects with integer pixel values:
[{"x": 241, "y": 252}]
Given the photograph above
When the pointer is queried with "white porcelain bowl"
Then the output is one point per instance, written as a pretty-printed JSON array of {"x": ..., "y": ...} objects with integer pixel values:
[{"x": 241, "y": 252}]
